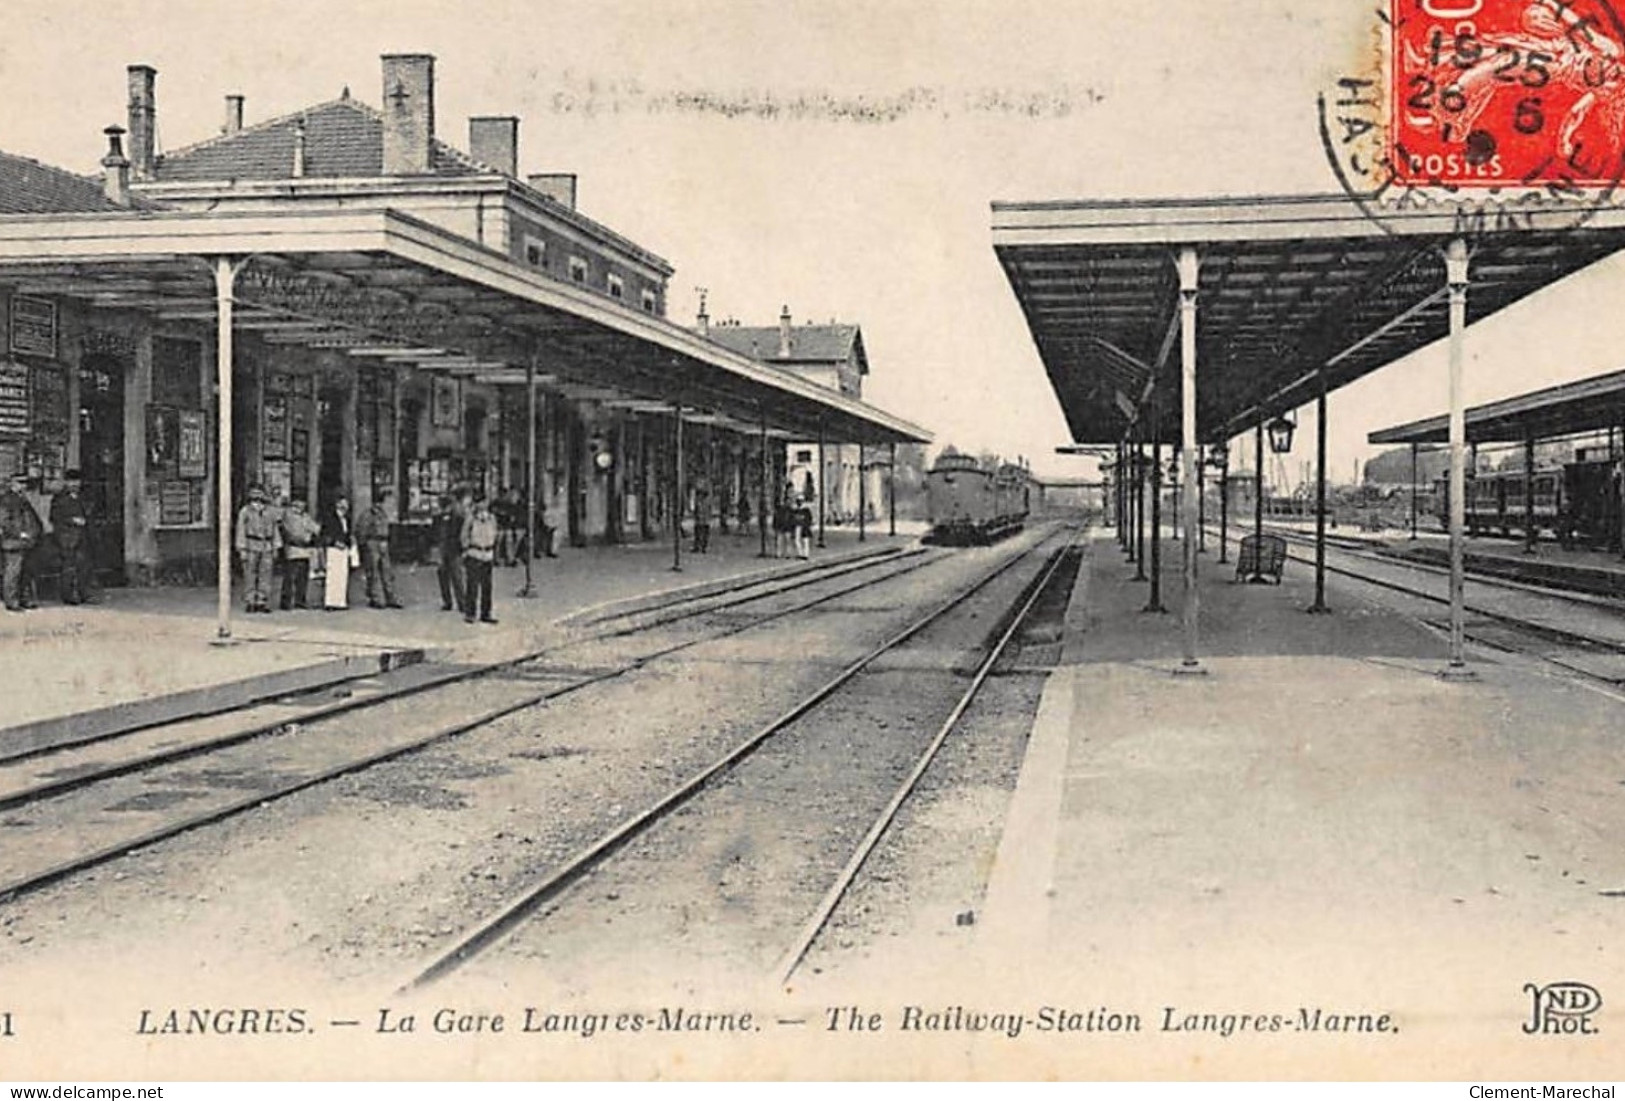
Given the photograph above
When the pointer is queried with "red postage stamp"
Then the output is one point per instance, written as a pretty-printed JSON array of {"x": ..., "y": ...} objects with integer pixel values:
[{"x": 1506, "y": 94}]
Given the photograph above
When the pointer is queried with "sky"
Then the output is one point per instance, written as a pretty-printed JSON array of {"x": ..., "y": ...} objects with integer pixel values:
[{"x": 835, "y": 157}]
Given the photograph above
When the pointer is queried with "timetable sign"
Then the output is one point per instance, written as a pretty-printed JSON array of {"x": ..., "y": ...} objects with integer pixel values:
[{"x": 33, "y": 326}]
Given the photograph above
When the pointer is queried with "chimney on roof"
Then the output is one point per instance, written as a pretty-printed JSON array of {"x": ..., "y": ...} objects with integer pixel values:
[
  {"x": 234, "y": 114},
  {"x": 494, "y": 140},
  {"x": 558, "y": 186},
  {"x": 702, "y": 321},
  {"x": 116, "y": 168},
  {"x": 299, "y": 148},
  {"x": 408, "y": 113},
  {"x": 143, "y": 120},
  {"x": 784, "y": 333}
]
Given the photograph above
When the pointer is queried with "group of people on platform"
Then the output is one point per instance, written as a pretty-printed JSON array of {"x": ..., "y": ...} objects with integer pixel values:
[
  {"x": 792, "y": 525},
  {"x": 22, "y": 541},
  {"x": 467, "y": 533},
  {"x": 792, "y": 521}
]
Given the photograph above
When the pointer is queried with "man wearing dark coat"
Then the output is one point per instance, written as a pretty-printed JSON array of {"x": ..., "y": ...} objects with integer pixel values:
[
  {"x": 372, "y": 535},
  {"x": 20, "y": 531},
  {"x": 70, "y": 523}
]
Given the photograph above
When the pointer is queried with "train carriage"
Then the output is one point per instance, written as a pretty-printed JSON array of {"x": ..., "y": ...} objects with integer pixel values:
[
  {"x": 1579, "y": 503},
  {"x": 968, "y": 503}
]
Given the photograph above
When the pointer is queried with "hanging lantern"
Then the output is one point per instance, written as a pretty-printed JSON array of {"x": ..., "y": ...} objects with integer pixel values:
[{"x": 1280, "y": 432}]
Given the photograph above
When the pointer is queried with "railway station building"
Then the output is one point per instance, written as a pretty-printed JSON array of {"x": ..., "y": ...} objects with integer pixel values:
[
  {"x": 378, "y": 310},
  {"x": 841, "y": 476}
]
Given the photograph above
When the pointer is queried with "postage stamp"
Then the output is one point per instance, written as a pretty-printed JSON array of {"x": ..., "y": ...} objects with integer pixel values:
[{"x": 1498, "y": 93}]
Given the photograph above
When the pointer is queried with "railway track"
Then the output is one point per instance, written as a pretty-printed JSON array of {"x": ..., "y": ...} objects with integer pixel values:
[
  {"x": 824, "y": 709},
  {"x": 265, "y": 753},
  {"x": 1497, "y": 628}
]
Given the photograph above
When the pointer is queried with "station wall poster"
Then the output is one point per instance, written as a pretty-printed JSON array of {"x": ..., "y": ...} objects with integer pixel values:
[
  {"x": 274, "y": 429},
  {"x": 444, "y": 409},
  {"x": 192, "y": 458},
  {"x": 163, "y": 441},
  {"x": 33, "y": 326},
  {"x": 15, "y": 418}
]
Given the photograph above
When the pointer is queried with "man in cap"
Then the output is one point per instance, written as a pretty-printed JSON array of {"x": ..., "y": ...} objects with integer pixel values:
[
  {"x": 372, "y": 535},
  {"x": 69, "y": 522},
  {"x": 258, "y": 537},
  {"x": 20, "y": 531},
  {"x": 300, "y": 534}
]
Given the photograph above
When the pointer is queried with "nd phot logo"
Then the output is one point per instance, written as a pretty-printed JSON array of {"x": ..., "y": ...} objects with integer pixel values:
[{"x": 1562, "y": 1009}]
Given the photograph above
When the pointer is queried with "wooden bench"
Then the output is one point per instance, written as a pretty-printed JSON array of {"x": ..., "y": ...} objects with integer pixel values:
[{"x": 1261, "y": 556}]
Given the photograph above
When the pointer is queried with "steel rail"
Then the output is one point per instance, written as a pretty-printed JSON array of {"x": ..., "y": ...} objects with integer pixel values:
[
  {"x": 800, "y": 579},
  {"x": 61, "y": 786},
  {"x": 793, "y": 957},
  {"x": 1360, "y": 549},
  {"x": 1555, "y": 634},
  {"x": 506, "y": 919},
  {"x": 34, "y": 881}
]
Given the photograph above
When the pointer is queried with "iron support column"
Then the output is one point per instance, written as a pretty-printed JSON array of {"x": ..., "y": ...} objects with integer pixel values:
[
  {"x": 1118, "y": 498},
  {"x": 761, "y": 490},
  {"x": 1224, "y": 505},
  {"x": 1320, "y": 496},
  {"x": 863, "y": 497},
  {"x": 823, "y": 477},
  {"x": 1201, "y": 500},
  {"x": 1137, "y": 548},
  {"x": 1190, "y": 464},
  {"x": 1154, "y": 604},
  {"x": 678, "y": 503},
  {"x": 891, "y": 493},
  {"x": 225, "y": 280},
  {"x": 1258, "y": 498},
  {"x": 1414, "y": 488},
  {"x": 530, "y": 474},
  {"x": 1456, "y": 279},
  {"x": 1529, "y": 494}
]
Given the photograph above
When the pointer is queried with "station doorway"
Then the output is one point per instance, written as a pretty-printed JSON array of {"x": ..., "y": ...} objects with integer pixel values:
[{"x": 101, "y": 462}]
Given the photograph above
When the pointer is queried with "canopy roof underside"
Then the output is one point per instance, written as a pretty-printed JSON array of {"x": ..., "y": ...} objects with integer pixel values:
[
  {"x": 1288, "y": 287},
  {"x": 1591, "y": 405},
  {"x": 387, "y": 288}
]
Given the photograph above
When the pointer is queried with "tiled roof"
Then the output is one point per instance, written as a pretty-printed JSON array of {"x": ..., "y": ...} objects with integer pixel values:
[
  {"x": 344, "y": 138},
  {"x": 808, "y": 343},
  {"x": 29, "y": 187}
]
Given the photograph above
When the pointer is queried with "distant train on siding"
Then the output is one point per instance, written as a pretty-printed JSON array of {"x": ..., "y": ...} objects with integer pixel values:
[
  {"x": 971, "y": 503},
  {"x": 1578, "y": 504}
]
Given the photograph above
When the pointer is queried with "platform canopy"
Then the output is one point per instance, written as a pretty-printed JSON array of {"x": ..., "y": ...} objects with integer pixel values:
[
  {"x": 1288, "y": 287},
  {"x": 1594, "y": 404},
  {"x": 385, "y": 287}
]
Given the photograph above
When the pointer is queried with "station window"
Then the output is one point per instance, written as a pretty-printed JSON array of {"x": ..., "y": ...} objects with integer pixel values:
[
  {"x": 535, "y": 251},
  {"x": 617, "y": 286},
  {"x": 803, "y": 456},
  {"x": 578, "y": 270},
  {"x": 651, "y": 301}
]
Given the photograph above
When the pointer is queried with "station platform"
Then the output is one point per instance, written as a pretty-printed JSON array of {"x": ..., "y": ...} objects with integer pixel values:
[
  {"x": 144, "y": 655},
  {"x": 1319, "y": 822}
]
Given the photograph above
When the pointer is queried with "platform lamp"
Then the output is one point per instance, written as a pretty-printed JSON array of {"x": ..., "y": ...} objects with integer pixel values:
[{"x": 1280, "y": 432}]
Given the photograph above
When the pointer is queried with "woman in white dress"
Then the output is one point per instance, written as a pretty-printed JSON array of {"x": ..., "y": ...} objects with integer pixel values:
[{"x": 338, "y": 541}]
